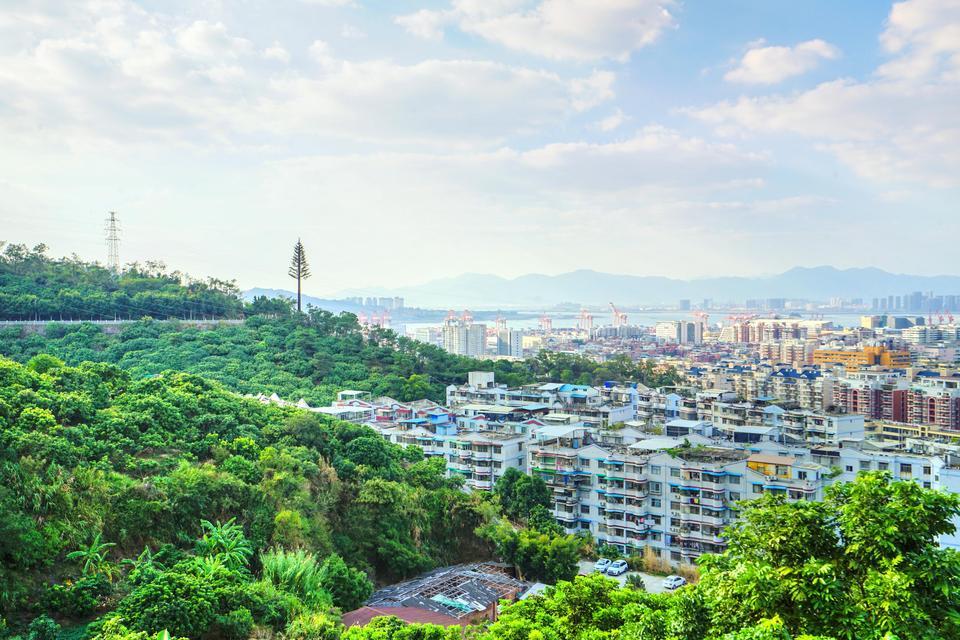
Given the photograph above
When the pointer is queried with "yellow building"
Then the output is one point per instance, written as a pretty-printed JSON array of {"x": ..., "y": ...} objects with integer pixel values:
[{"x": 865, "y": 357}]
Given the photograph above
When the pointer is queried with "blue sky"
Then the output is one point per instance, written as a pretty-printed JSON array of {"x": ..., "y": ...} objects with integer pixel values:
[{"x": 405, "y": 141}]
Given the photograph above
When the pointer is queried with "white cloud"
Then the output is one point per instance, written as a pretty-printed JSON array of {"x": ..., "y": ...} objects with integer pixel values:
[
  {"x": 277, "y": 52},
  {"x": 925, "y": 37},
  {"x": 330, "y": 3},
  {"x": 559, "y": 29},
  {"x": 425, "y": 23},
  {"x": 351, "y": 32},
  {"x": 207, "y": 40},
  {"x": 773, "y": 64},
  {"x": 900, "y": 126},
  {"x": 611, "y": 122},
  {"x": 117, "y": 74}
]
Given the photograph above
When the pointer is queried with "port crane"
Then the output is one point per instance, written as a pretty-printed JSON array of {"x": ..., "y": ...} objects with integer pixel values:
[{"x": 619, "y": 317}]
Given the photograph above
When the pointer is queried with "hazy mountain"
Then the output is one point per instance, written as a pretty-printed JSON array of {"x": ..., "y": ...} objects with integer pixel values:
[
  {"x": 335, "y": 306},
  {"x": 592, "y": 287}
]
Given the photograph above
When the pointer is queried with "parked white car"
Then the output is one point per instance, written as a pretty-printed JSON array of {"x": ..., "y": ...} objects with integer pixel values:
[
  {"x": 673, "y": 582},
  {"x": 601, "y": 565},
  {"x": 617, "y": 568}
]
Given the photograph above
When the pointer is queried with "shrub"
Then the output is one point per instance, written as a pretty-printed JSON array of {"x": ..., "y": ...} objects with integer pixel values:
[
  {"x": 43, "y": 628},
  {"x": 79, "y": 599},
  {"x": 236, "y": 625},
  {"x": 313, "y": 626}
]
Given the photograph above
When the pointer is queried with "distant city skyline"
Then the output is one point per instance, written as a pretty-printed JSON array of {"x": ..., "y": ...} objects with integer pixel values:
[{"x": 405, "y": 143}]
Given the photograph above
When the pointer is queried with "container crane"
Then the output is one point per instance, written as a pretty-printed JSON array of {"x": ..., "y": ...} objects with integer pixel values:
[
  {"x": 585, "y": 320},
  {"x": 546, "y": 323},
  {"x": 619, "y": 318}
]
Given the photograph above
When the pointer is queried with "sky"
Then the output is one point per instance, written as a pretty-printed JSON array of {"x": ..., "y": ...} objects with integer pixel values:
[{"x": 408, "y": 141}]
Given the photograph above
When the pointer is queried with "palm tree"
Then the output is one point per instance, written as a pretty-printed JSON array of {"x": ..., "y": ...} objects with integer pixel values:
[
  {"x": 299, "y": 269},
  {"x": 94, "y": 558}
]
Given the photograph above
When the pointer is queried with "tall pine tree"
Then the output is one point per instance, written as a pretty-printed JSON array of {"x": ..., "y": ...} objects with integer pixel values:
[{"x": 299, "y": 269}]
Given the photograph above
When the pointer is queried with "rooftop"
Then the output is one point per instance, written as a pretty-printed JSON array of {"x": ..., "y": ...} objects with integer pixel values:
[{"x": 458, "y": 591}]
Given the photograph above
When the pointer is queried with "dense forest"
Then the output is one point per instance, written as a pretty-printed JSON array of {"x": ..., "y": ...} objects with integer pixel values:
[
  {"x": 34, "y": 286},
  {"x": 107, "y": 481},
  {"x": 311, "y": 356}
]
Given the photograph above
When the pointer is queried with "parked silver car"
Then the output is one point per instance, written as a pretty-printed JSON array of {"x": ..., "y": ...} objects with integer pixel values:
[
  {"x": 617, "y": 568},
  {"x": 601, "y": 565},
  {"x": 671, "y": 583}
]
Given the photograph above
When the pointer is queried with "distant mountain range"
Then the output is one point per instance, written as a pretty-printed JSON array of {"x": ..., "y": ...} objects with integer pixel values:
[
  {"x": 594, "y": 288},
  {"x": 336, "y": 306}
]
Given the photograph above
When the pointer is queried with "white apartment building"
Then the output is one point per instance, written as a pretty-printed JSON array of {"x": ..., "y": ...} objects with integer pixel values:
[
  {"x": 661, "y": 492},
  {"x": 596, "y": 406},
  {"x": 465, "y": 338},
  {"x": 481, "y": 457}
]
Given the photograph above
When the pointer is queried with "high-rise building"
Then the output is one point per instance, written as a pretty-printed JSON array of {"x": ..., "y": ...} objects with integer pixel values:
[
  {"x": 684, "y": 305},
  {"x": 465, "y": 338},
  {"x": 510, "y": 343}
]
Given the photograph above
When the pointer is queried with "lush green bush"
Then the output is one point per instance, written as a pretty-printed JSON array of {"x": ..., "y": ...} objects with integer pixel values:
[{"x": 77, "y": 599}]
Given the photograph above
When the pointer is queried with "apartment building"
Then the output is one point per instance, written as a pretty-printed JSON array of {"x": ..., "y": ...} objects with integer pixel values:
[
  {"x": 481, "y": 457},
  {"x": 868, "y": 356},
  {"x": 880, "y": 395},
  {"x": 927, "y": 399},
  {"x": 662, "y": 492},
  {"x": 597, "y": 406},
  {"x": 935, "y": 401},
  {"x": 807, "y": 387},
  {"x": 464, "y": 338}
]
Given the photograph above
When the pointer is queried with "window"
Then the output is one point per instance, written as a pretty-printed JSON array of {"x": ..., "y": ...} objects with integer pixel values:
[
  {"x": 758, "y": 488},
  {"x": 906, "y": 468},
  {"x": 674, "y": 472},
  {"x": 655, "y": 487},
  {"x": 849, "y": 468},
  {"x": 655, "y": 503},
  {"x": 883, "y": 466},
  {"x": 655, "y": 469},
  {"x": 926, "y": 485},
  {"x": 926, "y": 470},
  {"x": 864, "y": 465},
  {"x": 734, "y": 495},
  {"x": 802, "y": 475},
  {"x": 585, "y": 508}
]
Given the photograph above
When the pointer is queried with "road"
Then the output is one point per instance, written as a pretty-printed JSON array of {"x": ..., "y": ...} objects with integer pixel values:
[{"x": 653, "y": 583}]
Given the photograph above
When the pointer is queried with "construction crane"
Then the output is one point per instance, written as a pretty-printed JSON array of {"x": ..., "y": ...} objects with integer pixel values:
[
  {"x": 501, "y": 323},
  {"x": 619, "y": 318},
  {"x": 467, "y": 317},
  {"x": 702, "y": 316},
  {"x": 451, "y": 316}
]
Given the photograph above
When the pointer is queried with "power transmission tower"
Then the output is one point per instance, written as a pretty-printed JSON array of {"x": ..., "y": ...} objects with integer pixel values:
[{"x": 113, "y": 242}]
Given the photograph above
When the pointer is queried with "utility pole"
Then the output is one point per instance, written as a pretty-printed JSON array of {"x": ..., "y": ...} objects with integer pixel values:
[{"x": 113, "y": 242}]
